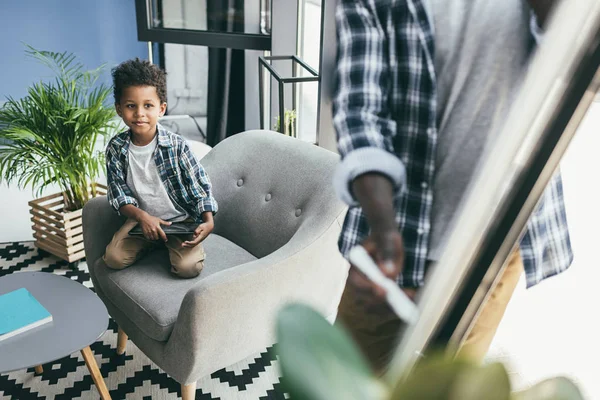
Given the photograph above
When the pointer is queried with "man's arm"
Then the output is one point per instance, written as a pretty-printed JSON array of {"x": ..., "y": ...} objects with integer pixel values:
[
  {"x": 361, "y": 115},
  {"x": 384, "y": 244},
  {"x": 370, "y": 173}
]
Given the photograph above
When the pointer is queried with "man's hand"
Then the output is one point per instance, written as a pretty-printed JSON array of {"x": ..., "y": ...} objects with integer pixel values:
[
  {"x": 202, "y": 231},
  {"x": 387, "y": 250},
  {"x": 542, "y": 9},
  {"x": 151, "y": 227}
]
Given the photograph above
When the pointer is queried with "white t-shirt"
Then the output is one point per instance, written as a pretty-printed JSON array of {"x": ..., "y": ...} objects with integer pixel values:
[{"x": 144, "y": 181}]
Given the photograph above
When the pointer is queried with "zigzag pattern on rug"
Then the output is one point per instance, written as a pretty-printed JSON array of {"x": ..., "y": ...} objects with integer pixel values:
[{"x": 131, "y": 375}]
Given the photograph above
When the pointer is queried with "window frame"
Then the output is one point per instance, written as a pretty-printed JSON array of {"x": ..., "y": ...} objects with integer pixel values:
[{"x": 230, "y": 40}]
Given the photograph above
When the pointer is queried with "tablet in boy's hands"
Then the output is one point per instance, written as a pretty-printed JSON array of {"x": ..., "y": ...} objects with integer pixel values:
[{"x": 176, "y": 228}]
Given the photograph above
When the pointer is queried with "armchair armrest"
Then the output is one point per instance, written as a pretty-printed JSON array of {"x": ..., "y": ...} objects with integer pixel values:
[{"x": 242, "y": 302}]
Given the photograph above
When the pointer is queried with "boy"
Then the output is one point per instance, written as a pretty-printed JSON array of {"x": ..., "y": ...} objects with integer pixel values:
[{"x": 153, "y": 176}]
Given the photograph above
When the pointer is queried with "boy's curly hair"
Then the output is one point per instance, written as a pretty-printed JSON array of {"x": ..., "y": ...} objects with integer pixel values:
[{"x": 138, "y": 72}]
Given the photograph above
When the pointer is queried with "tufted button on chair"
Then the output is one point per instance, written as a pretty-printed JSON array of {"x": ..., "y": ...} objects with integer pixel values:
[{"x": 275, "y": 241}]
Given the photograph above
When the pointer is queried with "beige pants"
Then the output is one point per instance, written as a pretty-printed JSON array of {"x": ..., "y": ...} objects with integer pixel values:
[
  {"x": 124, "y": 250},
  {"x": 376, "y": 334}
]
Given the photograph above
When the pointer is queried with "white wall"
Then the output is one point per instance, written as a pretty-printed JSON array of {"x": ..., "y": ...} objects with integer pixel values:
[{"x": 551, "y": 329}]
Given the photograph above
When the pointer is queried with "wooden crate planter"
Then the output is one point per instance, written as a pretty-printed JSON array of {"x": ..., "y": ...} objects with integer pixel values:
[{"x": 56, "y": 231}]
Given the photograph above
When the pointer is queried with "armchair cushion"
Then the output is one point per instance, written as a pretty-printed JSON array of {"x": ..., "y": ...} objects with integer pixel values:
[{"x": 151, "y": 296}]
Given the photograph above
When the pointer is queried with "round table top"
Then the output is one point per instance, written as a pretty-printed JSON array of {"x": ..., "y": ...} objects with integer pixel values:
[{"x": 79, "y": 318}]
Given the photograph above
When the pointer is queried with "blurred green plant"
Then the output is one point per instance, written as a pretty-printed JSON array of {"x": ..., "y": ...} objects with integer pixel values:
[
  {"x": 289, "y": 123},
  {"x": 50, "y": 135},
  {"x": 320, "y": 362}
]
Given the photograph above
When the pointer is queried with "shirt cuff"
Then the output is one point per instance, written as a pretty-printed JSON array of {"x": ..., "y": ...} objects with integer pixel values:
[
  {"x": 119, "y": 202},
  {"x": 536, "y": 30},
  {"x": 361, "y": 161},
  {"x": 207, "y": 204}
]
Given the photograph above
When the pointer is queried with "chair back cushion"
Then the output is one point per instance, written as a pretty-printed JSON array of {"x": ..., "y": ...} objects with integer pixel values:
[
  {"x": 268, "y": 186},
  {"x": 153, "y": 306}
]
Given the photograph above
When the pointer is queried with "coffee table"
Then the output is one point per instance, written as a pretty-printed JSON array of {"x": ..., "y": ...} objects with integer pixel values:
[{"x": 79, "y": 319}]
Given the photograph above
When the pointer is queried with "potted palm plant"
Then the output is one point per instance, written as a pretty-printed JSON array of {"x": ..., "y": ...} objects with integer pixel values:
[{"x": 50, "y": 138}]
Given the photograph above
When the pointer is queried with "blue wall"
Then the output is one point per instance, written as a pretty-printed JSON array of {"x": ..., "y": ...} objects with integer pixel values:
[{"x": 96, "y": 31}]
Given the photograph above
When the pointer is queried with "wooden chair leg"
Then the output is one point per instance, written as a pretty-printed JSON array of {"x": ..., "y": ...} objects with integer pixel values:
[
  {"x": 39, "y": 369},
  {"x": 188, "y": 392},
  {"x": 90, "y": 362},
  {"x": 121, "y": 341}
]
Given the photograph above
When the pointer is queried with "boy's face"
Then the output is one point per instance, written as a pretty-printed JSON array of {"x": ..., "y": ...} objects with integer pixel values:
[{"x": 140, "y": 108}]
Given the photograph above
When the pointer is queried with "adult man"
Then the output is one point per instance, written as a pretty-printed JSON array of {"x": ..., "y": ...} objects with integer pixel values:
[{"x": 422, "y": 87}]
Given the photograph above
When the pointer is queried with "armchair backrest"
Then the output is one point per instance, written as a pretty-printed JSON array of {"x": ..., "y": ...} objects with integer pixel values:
[{"x": 270, "y": 187}]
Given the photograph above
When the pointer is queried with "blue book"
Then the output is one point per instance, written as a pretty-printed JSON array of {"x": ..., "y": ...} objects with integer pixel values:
[{"x": 20, "y": 312}]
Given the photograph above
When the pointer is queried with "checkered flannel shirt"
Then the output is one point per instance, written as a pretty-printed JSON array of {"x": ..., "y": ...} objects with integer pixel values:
[
  {"x": 384, "y": 112},
  {"x": 184, "y": 177}
]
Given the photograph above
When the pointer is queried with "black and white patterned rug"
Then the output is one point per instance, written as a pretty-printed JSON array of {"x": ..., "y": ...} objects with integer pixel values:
[{"x": 132, "y": 375}]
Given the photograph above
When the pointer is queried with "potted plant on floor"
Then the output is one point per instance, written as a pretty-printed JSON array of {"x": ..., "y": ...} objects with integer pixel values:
[
  {"x": 320, "y": 362},
  {"x": 51, "y": 138}
]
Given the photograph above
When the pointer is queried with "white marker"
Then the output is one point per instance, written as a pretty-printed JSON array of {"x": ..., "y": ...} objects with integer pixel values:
[{"x": 400, "y": 303}]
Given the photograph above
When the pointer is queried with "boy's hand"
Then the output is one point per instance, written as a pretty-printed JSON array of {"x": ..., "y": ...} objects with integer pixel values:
[
  {"x": 201, "y": 232},
  {"x": 151, "y": 227}
]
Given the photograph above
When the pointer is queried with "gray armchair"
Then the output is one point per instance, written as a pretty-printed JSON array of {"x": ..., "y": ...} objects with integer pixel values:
[{"x": 275, "y": 241}]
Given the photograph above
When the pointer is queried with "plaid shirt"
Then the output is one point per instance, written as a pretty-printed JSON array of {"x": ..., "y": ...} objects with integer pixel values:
[
  {"x": 384, "y": 113},
  {"x": 185, "y": 179}
]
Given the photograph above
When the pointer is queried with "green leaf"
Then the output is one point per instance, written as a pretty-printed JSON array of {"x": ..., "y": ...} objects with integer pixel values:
[
  {"x": 441, "y": 378},
  {"x": 319, "y": 361},
  {"x": 431, "y": 379},
  {"x": 559, "y": 388},
  {"x": 488, "y": 382}
]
